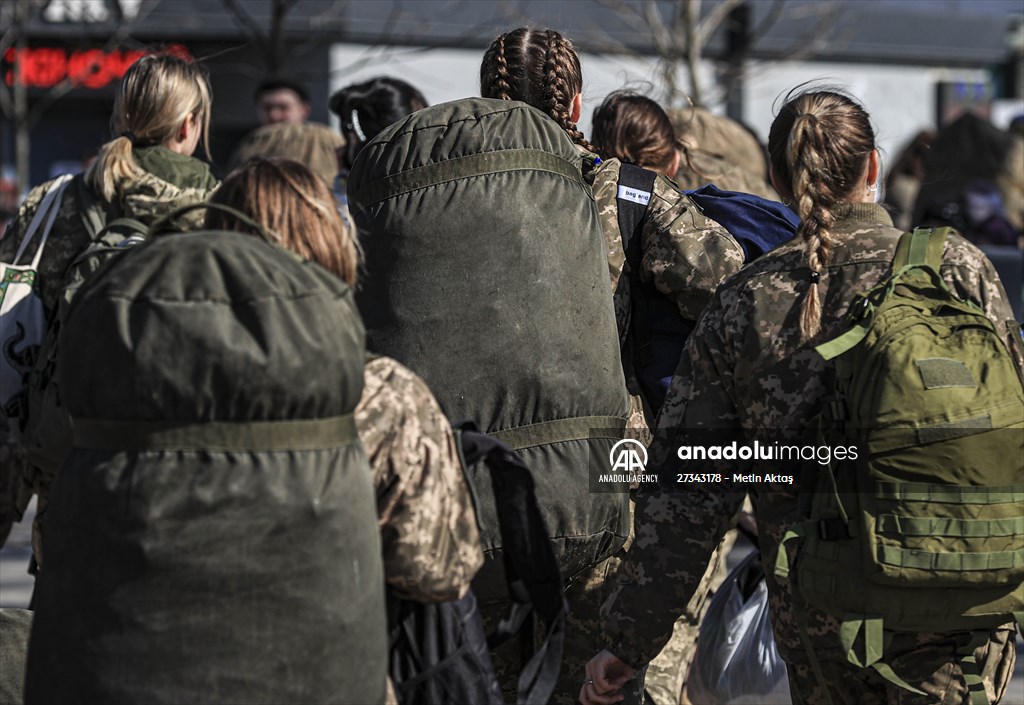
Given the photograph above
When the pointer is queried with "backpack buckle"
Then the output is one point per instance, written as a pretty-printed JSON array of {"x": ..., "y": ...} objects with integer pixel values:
[
  {"x": 860, "y": 308},
  {"x": 833, "y": 529}
]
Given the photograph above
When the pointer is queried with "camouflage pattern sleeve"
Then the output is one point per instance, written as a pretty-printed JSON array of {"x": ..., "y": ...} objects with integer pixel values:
[
  {"x": 428, "y": 526},
  {"x": 973, "y": 276},
  {"x": 685, "y": 254},
  {"x": 676, "y": 531}
]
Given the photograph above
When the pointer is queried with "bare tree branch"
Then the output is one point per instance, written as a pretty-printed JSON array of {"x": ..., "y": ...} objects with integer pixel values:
[
  {"x": 710, "y": 24},
  {"x": 770, "y": 18},
  {"x": 247, "y": 23}
]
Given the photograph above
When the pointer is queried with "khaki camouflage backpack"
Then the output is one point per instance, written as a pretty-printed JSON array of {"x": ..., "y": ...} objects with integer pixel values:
[{"x": 924, "y": 530}]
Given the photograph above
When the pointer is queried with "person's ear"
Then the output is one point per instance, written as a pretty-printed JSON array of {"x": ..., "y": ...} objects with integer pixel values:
[
  {"x": 577, "y": 107},
  {"x": 188, "y": 127},
  {"x": 677, "y": 159},
  {"x": 780, "y": 188},
  {"x": 874, "y": 169}
]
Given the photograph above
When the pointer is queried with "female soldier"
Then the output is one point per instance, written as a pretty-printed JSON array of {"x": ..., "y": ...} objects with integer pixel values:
[
  {"x": 365, "y": 109},
  {"x": 751, "y": 366},
  {"x": 161, "y": 114},
  {"x": 635, "y": 130},
  {"x": 683, "y": 256},
  {"x": 429, "y": 534},
  {"x": 431, "y": 543}
]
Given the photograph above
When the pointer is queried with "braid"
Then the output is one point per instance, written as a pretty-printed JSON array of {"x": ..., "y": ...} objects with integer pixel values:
[
  {"x": 502, "y": 89},
  {"x": 558, "y": 56},
  {"x": 808, "y": 156}
]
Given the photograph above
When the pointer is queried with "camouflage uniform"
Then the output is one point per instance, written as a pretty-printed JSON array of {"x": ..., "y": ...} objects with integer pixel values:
[
  {"x": 427, "y": 522},
  {"x": 428, "y": 527},
  {"x": 171, "y": 180},
  {"x": 746, "y": 367},
  {"x": 685, "y": 255}
]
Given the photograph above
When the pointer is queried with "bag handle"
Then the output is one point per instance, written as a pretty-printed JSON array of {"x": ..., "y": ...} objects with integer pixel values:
[
  {"x": 162, "y": 223},
  {"x": 45, "y": 207}
]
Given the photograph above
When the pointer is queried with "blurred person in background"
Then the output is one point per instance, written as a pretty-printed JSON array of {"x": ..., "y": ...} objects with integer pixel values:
[
  {"x": 905, "y": 176},
  {"x": 365, "y": 109},
  {"x": 281, "y": 98}
]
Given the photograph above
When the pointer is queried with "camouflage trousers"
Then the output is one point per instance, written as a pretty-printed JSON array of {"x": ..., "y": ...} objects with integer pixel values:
[{"x": 928, "y": 663}]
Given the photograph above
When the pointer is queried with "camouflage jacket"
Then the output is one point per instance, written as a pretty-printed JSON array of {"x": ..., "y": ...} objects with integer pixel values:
[
  {"x": 746, "y": 367},
  {"x": 427, "y": 522},
  {"x": 684, "y": 254},
  {"x": 171, "y": 180}
]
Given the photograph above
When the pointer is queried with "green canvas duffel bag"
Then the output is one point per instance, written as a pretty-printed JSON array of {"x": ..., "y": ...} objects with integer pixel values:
[
  {"x": 485, "y": 272},
  {"x": 212, "y": 537}
]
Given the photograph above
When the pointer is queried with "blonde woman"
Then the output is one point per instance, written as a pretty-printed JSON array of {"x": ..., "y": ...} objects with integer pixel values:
[{"x": 161, "y": 115}]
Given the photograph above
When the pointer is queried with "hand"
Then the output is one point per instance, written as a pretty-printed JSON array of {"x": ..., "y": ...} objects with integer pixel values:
[{"x": 605, "y": 675}]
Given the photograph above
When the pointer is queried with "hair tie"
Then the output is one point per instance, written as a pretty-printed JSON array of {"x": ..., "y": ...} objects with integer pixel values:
[
  {"x": 131, "y": 137},
  {"x": 356, "y": 127},
  {"x": 815, "y": 277}
]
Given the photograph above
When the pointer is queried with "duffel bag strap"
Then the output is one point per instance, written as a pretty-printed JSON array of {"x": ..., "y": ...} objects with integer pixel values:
[
  {"x": 578, "y": 428},
  {"x": 275, "y": 435}
]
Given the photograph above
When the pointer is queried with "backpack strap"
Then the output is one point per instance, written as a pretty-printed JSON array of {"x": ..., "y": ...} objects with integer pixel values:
[
  {"x": 531, "y": 569},
  {"x": 635, "y": 188},
  {"x": 93, "y": 216},
  {"x": 923, "y": 246}
]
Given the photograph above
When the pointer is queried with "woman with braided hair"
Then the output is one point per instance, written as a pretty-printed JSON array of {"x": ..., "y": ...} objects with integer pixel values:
[
  {"x": 681, "y": 257},
  {"x": 749, "y": 369}
]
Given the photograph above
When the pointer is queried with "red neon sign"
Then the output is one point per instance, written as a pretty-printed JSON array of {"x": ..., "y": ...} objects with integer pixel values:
[{"x": 44, "y": 67}]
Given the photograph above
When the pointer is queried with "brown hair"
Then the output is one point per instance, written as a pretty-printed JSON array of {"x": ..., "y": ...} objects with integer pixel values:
[
  {"x": 634, "y": 129},
  {"x": 295, "y": 206},
  {"x": 157, "y": 93},
  {"x": 540, "y": 68},
  {"x": 819, "y": 145}
]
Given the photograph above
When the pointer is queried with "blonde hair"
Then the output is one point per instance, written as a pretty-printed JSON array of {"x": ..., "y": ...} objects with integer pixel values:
[
  {"x": 157, "y": 94},
  {"x": 819, "y": 146},
  {"x": 297, "y": 208}
]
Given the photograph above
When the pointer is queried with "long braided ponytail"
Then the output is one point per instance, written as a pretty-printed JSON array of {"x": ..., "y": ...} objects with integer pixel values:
[
  {"x": 540, "y": 68},
  {"x": 819, "y": 146}
]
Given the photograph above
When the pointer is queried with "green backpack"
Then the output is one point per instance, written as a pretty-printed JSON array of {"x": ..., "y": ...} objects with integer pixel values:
[{"x": 924, "y": 530}]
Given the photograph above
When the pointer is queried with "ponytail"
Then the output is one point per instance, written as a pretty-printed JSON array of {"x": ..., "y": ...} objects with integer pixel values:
[{"x": 819, "y": 146}]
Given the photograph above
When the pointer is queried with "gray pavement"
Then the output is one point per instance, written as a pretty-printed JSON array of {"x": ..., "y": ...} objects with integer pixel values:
[{"x": 16, "y": 590}]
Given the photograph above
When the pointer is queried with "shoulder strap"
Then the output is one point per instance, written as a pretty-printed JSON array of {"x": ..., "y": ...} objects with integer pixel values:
[
  {"x": 93, "y": 215},
  {"x": 923, "y": 246},
  {"x": 635, "y": 187},
  {"x": 531, "y": 569},
  {"x": 46, "y": 208}
]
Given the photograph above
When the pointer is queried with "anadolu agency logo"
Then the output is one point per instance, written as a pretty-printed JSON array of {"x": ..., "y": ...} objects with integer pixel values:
[
  {"x": 628, "y": 461},
  {"x": 628, "y": 456}
]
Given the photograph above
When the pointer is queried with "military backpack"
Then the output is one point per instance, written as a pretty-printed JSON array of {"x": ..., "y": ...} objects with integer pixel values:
[{"x": 923, "y": 531}]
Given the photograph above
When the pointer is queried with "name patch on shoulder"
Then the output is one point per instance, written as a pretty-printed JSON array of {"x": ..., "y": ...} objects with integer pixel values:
[{"x": 635, "y": 195}]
